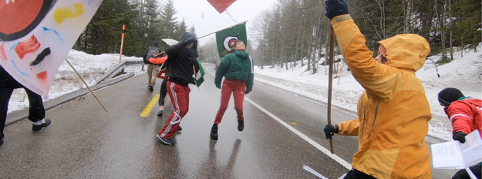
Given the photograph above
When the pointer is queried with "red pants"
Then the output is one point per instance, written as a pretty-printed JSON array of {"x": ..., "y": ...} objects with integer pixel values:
[
  {"x": 180, "y": 102},
  {"x": 238, "y": 88}
]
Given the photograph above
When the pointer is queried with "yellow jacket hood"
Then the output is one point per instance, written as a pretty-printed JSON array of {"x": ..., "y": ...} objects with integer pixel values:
[{"x": 406, "y": 51}]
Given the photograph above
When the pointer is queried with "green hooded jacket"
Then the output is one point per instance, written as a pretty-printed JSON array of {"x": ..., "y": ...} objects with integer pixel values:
[{"x": 236, "y": 66}]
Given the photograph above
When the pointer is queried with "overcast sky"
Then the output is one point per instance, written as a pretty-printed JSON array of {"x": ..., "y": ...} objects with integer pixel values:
[{"x": 206, "y": 19}]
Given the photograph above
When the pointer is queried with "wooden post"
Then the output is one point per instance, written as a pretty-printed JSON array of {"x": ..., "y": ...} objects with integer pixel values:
[{"x": 122, "y": 42}]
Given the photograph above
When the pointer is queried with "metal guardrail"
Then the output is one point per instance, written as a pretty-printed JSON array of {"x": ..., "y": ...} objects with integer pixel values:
[{"x": 117, "y": 69}]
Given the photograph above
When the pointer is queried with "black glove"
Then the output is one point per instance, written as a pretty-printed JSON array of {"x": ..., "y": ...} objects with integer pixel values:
[
  {"x": 460, "y": 136},
  {"x": 335, "y": 8},
  {"x": 247, "y": 92},
  {"x": 330, "y": 130}
]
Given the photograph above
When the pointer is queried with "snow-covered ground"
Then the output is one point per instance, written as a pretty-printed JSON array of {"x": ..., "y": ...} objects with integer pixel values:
[
  {"x": 90, "y": 67},
  {"x": 464, "y": 73}
]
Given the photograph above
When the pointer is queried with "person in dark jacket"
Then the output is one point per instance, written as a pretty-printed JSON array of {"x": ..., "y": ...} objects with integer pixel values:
[
  {"x": 36, "y": 112},
  {"x": 181, "y": 68},
  {"x": 465, "y": 114},
  {"x": 237, "y": 69},
  {"x": 152, "y": 69}
]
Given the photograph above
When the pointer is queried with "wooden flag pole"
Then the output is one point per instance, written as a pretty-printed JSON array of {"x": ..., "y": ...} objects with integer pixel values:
[
  {"x": 122, "y": 42},
  {"x": 221, "y": 30},
  {"x": 207, "y": 34},
  {"x": 330, "y": 81},
  {"x": 86, "y": 84}
]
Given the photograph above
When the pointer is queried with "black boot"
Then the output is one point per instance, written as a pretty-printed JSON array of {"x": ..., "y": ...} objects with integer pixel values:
[
  {"x": 240, "y": 125},
  {"x": 214, "y": 132}
]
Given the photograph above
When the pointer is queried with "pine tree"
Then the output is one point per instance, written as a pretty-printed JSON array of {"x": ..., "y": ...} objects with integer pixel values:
[
  {"x": 181, "y": 28},
  {"x": 168, "y": 20}
]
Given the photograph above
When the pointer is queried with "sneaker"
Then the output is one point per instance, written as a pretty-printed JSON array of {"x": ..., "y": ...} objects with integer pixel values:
[
  {"x": 179, "y": 128},
  {"x": 1, "y": 141},
  {"x": 214, "y": 132},
  {"x": 38, "y": 127},
  {"x": 159, "y": 113},
  {"x": 165, "y": 141},
  {"x": 240, "y": 125},
  {"x": 151, "y": 88}
]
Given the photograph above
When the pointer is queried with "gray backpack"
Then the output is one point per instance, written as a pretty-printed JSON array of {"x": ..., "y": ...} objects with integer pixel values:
[{"x": 151, "y": 53}]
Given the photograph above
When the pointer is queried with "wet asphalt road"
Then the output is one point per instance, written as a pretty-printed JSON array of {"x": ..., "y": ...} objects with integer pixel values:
[{"x": 84, "y": 141}]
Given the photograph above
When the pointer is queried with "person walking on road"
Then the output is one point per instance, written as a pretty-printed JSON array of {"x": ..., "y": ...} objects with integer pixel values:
[
  {"x": 36, "y": 112},
  {"x": 163, "y": 89},
  {"x": 465, "y": 114},
  {"x": 393, "y": 111},
  {"x": 152, "y": 69},
  {"x": 238, "y": 72},
  {"x": 181, "y": 69}
]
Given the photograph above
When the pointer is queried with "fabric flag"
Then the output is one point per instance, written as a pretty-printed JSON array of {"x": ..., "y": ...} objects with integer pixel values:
[
  {"x": 221, "y": 5},
  {"x": 36, "y": 37},
  {"x": 226, "y": 39}
]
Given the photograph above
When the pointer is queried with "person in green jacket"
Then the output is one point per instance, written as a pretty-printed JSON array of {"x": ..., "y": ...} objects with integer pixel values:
[{"x": 237, "y": 69}]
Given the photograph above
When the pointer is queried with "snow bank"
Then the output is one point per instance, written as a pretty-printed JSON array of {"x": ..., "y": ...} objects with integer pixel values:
[
  {"x": 90, "y": 67},
  {"x": 464, "y": 73}
]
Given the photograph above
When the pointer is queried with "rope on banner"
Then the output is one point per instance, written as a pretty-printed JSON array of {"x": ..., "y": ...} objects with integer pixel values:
[{"x": 227, "y": 11}]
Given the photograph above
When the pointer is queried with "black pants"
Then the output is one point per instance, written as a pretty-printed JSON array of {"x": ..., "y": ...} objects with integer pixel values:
[
  {"x": 163, "y": 92},
  {"x": 355, "y": 174},
  {"x": 462, "y": 174},
  {"x": 36, "y": 109}
]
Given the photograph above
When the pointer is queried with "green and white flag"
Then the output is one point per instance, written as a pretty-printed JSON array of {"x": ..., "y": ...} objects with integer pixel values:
[{"x": 226, "y": 39}]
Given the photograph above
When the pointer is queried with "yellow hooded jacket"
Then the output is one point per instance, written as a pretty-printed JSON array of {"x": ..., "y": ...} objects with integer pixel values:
[{"x": 393, "y": 111}]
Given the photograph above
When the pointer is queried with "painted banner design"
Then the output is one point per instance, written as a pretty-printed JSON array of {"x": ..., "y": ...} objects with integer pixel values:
[
  {"x": 37, "y": 35},
  {"x": 221, "y": 5}
]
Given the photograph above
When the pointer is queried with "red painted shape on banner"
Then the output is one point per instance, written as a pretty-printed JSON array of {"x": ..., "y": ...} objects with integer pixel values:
[
  {"x": 221, "y": 5},
  {"x": 2, "y": 53},
  {"x": 42, "y": 76},
  {"x": 27, "y": 46},
  {"x": 17, "y": 15}
]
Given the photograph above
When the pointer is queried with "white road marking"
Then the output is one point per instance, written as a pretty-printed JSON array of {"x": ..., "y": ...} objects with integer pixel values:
[
  {"x": 313, "y": 172},
  {"x": 303, "y": 136}
]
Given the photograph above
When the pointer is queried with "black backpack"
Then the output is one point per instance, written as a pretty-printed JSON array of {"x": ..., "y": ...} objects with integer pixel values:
[{"x": 151, "y": 53}]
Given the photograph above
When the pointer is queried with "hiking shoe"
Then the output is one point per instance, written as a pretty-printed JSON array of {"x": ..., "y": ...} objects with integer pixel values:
[
  {"x": 159, "y": 113},
  {"x": 38, "y": 127},
  {"x": 165, "y": 141},
  {"x": 214, "y": 132},
  {"x": 150, "y": 88},
  {"x": 240, "y": 125},
  {"x": 179, "y": 128}
]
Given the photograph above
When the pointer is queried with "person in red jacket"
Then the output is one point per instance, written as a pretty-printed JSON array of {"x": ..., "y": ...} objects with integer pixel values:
[{"x": 465, "y": 113}]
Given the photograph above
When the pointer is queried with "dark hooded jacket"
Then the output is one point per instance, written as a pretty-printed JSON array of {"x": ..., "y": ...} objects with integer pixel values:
[{"x": 181, "y": 63}]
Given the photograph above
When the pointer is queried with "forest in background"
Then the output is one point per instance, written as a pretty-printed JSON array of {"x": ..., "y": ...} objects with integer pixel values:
[
  {"x": 146, "y": 21},
  {"x": 290, "y": 30},
  {"x": 293, "y": 30}
]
